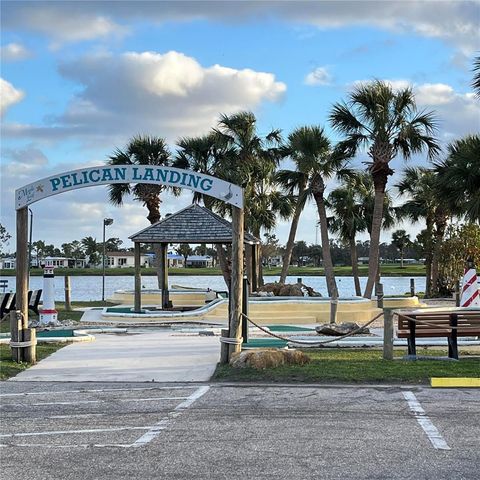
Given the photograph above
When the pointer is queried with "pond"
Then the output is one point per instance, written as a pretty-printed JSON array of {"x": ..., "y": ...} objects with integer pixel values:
[{"x": 89, "y": 287}]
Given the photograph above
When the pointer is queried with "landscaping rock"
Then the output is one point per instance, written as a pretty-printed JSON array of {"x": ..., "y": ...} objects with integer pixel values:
[
  {"x": 338, "y": 329},
  {"x": 268, "y": 358},
  {"x": 287, "y": 290}
]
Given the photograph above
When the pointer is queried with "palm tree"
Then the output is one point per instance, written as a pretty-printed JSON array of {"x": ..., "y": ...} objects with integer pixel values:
[
  {"x": 425, "y": 201},
  {"x": 476, "y": 75},
  {"x": 142, "y": 150},
  {"x": 207, "y": 154},
  {"x": 347, "y": 221},
  {"x": 401, "y": 240},
  {"x": 91, "y": 248},
  {"x": 235, "y": 152},
  {"x": 387, "y": 123},
  {"x": 296, "y": 182},
  {"x": 310, "y": 149},
  {"x": 459, "y": 177}
]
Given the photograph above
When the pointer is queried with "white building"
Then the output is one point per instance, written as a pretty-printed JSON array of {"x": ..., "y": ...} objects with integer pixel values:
[
  {"x": 175, "y": 260},
  {"x": 126, "y": 259},
  {"x": 199, "y": 261},
  {"x": 8, "y": 263}
]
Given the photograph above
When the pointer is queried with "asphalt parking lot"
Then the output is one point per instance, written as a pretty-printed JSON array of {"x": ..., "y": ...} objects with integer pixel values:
[{"x": 212, "y": 431}]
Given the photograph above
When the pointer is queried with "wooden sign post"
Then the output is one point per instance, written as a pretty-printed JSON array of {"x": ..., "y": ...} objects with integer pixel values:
[{"x": 235, "y": 314}]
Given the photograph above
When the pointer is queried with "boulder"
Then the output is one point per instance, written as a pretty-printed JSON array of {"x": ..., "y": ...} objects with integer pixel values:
[
  {"x": 288, "y": 290},
  {"x": 262, "y": 359},
  {"x": 338, "y": 329}
]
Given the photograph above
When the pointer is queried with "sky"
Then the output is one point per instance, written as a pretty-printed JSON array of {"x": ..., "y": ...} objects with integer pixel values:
[{"x": 79, "y": 79}]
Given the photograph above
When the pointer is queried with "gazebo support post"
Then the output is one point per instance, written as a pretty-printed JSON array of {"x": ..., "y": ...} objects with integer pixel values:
[
  {"x": 235, "y": 318},
  {"x": 137, "y": 306},
  {"x": 164, "y": 275}
]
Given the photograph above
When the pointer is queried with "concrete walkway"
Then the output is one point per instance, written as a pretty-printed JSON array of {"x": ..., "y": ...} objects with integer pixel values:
[{"x": 163, "y": 356}]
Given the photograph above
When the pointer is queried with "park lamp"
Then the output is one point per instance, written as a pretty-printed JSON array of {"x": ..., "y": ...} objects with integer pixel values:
[{"x": 106, "y": 222}]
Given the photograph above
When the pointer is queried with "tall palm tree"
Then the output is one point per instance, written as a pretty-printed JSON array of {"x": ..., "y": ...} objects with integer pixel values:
[
  {"x": 388, "y": 124},
  {"x": 459, "y": 177},
  {"x": 347, "y": 221},
  {"x": 310, "y": 149},
  {"x": 142, "y": 150},
  {"x": 425, "y": 201},
  {"x": 401, "y": 239},
  {"x": 295, "y": 182},
  {"x": 235, "y": 152},
  {"x": 91, "y": 248},
  {"x": 476, "y": 75},
  {"x": 207, "y": 154}
]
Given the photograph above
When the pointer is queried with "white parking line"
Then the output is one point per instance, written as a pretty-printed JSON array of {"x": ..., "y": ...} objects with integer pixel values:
[
  {"x": 63, "y": 392},
  {"x": 79, "y": 402},
  {"x": 429, "y": 428},
  {"x": 164, "y": 422},
  {"x": 69, "y": 432}
]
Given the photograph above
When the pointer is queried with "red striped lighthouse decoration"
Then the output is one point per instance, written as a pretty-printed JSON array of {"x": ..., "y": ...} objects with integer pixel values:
[
  {"x": 470, "y": 295},
  {"x": 48, "y": 314}
]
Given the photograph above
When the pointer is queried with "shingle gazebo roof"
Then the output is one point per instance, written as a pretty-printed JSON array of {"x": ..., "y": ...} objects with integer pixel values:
[{"x": 193, "y": 224}]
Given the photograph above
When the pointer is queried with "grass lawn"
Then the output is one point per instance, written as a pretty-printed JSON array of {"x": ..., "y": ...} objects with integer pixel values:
[
  {"x": 8, "y": 368},
  {"x": 359, "y": 366}
]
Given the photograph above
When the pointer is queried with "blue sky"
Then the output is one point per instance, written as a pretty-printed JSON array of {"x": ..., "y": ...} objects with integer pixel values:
[{"x": 80, "y": 78}]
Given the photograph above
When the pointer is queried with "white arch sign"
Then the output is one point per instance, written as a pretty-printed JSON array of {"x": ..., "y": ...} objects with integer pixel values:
[{"x": 109, "y": 174}]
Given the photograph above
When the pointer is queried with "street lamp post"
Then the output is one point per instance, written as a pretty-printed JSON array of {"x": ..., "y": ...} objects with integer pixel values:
[{"x": 106, "y": 221}]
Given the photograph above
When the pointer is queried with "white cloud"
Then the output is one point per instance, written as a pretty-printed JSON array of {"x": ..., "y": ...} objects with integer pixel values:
[
  {"x": 62, "y": 22},
  {"x": 319, "y": 76},
  {"x": 453, "y": 22},
  {"x": 9, "y": 95},
  {"x": 13, "y": 52},
  {"x": 434, "y": 94},
  {"x": 459, "y": 113},
  {"x": 167, "y": 94}
]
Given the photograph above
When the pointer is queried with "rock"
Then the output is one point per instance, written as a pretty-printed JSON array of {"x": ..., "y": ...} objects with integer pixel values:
[
  {"x": 268, "y": 358},
  {"x": 287, "y": 290},
  {"x": 294, "y": 290},
  {"x": 338, "y": 329}
]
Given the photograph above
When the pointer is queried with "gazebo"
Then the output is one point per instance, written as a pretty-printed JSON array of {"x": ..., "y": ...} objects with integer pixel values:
[{"x": 194, "y": 224}]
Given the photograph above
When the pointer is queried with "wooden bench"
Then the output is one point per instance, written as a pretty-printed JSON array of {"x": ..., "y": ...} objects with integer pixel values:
[
  {"x": 34, "y": 300},
  {"x": 460, "y": 323},
  {"x": 9, "y": 301}
]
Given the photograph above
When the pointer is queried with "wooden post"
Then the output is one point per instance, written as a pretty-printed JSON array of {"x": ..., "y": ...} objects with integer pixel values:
[
  {"x": 254, "y": 279},
  {"x": 164, "y": 277},
  {"x": 68, "y": 304},
  {"x": 457, "y": 293},
  {"x": 387, "y": 334},
  {"x": 30, "y": 352},
  {"x": 379, "y": 290},
  {"x": 137, "y": 307},
  {"x": 412, "y": 287},
  {"x": 22, "y": 265},
  {"x": 22, "y": 272},
  {"x": 16, "y": 335},
  {"x": 224, "y": 347},
  {"x": 245, "y": 309},
  {"x": 237, "y": 278}
]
